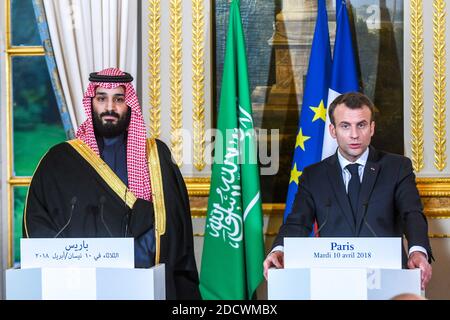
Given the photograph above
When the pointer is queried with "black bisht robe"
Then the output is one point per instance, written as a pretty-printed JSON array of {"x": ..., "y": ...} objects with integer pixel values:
[{"x": 63, "y": 174}]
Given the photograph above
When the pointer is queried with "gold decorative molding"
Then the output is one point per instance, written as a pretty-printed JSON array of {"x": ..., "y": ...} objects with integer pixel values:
[
  {"x": 154, "y": 66},
  {"x": 267, "y": 234},
  {"x": 197, "y": 216},
  {"x": 273, "y": 234},
  {"x": 417, "y": 110},
  {"x": 438, "y": 235},
  {"x": 20, "y": 181},
  {"x": 428, "y": 187},
  {"x": 198, "y": 186},
  {"x": 198, "y": 212},
  {"x": 26, "y": 51},
  {"x": 438, "y": 213},
  {"x": 273, "y": 209},
  {"x": 447, "y": 216},
  {"x": 439, "y": 67},
  {"x": 269, "y": 210},
  {"x": 433, "y": 187},
  {"x": 176, "y": 58},
  {"x": 198, "y": 83},
  {"x": 431, "y": 213},
  {"x": 441, "y": 180}
]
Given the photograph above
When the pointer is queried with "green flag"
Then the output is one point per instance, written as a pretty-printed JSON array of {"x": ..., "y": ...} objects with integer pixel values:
[{"x": 233, "y": 250}]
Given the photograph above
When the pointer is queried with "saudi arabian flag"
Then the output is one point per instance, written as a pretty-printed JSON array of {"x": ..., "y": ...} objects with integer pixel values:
[{"x": 233, "y": 250}]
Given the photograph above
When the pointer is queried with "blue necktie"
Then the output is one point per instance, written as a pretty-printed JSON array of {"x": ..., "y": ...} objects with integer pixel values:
[{"x": 353, "y": 188}]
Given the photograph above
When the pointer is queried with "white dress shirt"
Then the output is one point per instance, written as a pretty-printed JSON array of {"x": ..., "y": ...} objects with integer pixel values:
[{"x": 346, "y": 175}]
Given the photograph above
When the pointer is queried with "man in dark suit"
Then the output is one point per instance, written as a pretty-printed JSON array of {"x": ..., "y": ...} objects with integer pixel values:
[{"x": 358, "y": 191}]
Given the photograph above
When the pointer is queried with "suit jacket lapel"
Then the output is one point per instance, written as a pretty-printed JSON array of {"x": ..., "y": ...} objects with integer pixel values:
[
  {"x": 335, "y": 176},
  {"x": 371, "y": 171}
]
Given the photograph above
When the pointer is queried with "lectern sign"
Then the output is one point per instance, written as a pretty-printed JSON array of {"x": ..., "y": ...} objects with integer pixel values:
[
  {"x": 343, "y": 253},
  {"x": 77, "y": 252}
]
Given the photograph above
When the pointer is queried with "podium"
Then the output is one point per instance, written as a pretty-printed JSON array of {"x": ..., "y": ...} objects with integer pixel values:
[
  {"x": 341, "y": 284},
  {"x": 86, "y": 284},
  {"x": 85, "y": 269},
  {"x": 358, "y": 271}
]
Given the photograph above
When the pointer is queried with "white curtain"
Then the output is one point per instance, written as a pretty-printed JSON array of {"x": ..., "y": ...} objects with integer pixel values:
[{"x": 88, "y": 36}]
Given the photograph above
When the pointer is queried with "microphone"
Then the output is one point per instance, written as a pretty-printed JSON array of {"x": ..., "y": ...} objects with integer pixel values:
[
  {"x": 102, "y": 204},
  {"x": 72, "y": 206},
  {"x": 365, "y": 205},
  {"x": 328, "y": 205},
  {"x": 127, "y": 216}
]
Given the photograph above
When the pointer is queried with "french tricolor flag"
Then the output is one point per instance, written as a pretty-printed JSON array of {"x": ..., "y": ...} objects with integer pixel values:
[{"x": 344, "y": 75}]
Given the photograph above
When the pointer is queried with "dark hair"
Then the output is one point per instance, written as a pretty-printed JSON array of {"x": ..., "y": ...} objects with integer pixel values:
[{"x": 352, "y": 100}]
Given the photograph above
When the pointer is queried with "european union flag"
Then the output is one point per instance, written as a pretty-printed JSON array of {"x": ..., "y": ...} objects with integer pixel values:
[
  {"x": 308, "y": 145},
  {"x": 344, "y": 75}
]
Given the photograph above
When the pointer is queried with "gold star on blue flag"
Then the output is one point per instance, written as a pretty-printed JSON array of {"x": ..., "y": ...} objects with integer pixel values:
[
  {"x": 320, "y": 112},
  {"x": 301, "y": 139},
  {"x": 295, "y": 174}
]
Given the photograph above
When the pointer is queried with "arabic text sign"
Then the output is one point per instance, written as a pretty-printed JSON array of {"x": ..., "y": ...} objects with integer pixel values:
[{"x": 77, "y": 252}]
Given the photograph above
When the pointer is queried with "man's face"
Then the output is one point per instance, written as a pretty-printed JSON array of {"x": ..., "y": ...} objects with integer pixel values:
[
  {"x": 111, "y": 115},
  {"x": 353, "y": 130}
]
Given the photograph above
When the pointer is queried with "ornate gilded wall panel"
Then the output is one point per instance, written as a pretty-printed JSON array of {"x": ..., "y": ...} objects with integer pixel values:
[
  {"x": 176, "y": 75},
  {"x": 440, "y": 82},
  {"x": 416, "y": 75},
  {"x": 198, "y": 82},
  {"x": 154, "y": 63}
]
